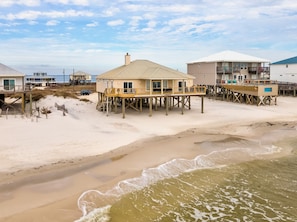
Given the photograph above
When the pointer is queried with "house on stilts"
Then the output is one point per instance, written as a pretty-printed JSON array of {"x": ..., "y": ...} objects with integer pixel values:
[
  {"x": 142, "y": 83},
  {"x": 236, "y": 77},
  {"x": 12, "y": 82}
]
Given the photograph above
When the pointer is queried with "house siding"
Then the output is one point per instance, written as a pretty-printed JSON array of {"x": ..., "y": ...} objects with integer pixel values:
[
  {"x": 205, "y": 73},
  {"x": 283, "y": 72}
]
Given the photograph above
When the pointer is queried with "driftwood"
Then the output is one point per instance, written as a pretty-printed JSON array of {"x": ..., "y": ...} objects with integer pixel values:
[
  {"x": 45, "y": 110},
  {"x": 62, "y": 108}
]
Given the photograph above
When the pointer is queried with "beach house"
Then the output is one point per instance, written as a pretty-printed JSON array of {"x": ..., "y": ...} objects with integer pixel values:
[
  {"x": 284, "y": 70},
  {"x": 142, "y": 83},
  {"x": 79, "y": 77},
  {"x": 11, "y": 82},
  {"x": 228, "y": 66},
  {"x": 236, "y": 77},
  {"x": 40, "y": 79}
]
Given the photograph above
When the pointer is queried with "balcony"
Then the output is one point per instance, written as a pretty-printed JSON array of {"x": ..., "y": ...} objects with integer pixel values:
[
  {"x": 258, "y": 70},
  {"x": 10, "y": 89},
  {"x": 139, "y": 92},
  {"x": 224, "y": 70}
]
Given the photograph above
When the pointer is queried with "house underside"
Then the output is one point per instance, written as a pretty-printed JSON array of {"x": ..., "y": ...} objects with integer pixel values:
[
  {"x": 17, "y": 103},
  {"x": 120, "y": 102}
]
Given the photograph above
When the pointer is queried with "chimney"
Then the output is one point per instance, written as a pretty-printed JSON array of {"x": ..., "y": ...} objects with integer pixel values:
[{"x": 127, "y": 59}]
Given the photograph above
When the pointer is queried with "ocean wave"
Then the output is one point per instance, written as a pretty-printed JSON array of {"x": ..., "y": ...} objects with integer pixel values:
[{"x": 94, "y": 200}]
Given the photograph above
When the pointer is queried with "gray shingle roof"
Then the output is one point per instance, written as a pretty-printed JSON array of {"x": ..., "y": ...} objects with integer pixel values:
[
  {"x": 144, "y": 69},
  {"x": 292, "y": 60},
  {"x": 9, "y": 72}
]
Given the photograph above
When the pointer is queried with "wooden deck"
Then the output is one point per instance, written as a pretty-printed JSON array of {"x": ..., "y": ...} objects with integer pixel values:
[
  {"x": 259, "y": 92},
  {"x": 136, "y": 99}
]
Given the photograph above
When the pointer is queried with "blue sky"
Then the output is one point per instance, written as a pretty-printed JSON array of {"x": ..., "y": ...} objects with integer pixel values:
[{"x": 94, "y": 35}]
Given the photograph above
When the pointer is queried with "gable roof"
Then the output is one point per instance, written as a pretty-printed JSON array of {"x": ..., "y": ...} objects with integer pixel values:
[
  {"x": 144, "y": 69},
  {"x": 9, "y": 72},
  {"x": 229, "y": 56},
  {"x": 292, "y": 60}
]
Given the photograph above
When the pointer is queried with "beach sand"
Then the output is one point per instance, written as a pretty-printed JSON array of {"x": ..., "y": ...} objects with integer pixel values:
[{"x": 48, "y": 162}]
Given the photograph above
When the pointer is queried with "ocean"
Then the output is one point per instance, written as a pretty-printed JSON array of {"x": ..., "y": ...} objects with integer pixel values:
[{"x": 213, "y": 187}]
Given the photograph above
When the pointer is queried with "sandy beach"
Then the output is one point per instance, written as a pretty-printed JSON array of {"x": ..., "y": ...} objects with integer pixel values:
[{"x": 46, "y": 163}]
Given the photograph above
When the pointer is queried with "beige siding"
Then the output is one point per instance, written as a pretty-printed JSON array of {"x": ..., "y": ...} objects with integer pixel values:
[{"x": 268, "y": 90}]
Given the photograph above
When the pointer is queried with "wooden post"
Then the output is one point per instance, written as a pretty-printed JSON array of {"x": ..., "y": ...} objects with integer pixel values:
[
  {"x": 156, "y": 103},
  {"x": 31, "y": 110},
  {"x": 151, "y": 106},
  {"x": 140, "y": 104},
  {"x": 23, "y": 102},
  {"x": 189, "y": 102},
  {"x": 183, "y": 104},
  {"x": 107, "y": 105},
  {"x": 166, "y": 105},
  {"x": 123, "y": 107},
  {"x": 115, "y": 104},
  {"x": 202, "y": 104}
]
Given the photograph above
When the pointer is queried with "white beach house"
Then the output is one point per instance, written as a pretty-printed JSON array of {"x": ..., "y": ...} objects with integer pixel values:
[
  {"x": 284, "y": 71},
  {"x": 11, "y": 82},
  {"x": 228, "y": 66}
]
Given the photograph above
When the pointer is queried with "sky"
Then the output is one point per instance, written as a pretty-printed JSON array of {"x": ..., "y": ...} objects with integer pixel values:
[{"x": 94, "y": 35}]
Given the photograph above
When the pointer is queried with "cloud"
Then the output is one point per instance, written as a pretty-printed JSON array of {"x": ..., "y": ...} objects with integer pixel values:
[
  {"x": 52, "y": 23},
  {"x": 115, "y": 22},
  {"x": 111, "y": 11},
  {"x": 33, "y": 15},
  {"x": 29, "y": 3},
  {"x": 93, "y": 24},
  {"x": 69, "y": 2}
]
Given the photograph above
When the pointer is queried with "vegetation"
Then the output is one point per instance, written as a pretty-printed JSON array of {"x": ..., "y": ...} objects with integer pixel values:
[{"x": 66, "y": 91}]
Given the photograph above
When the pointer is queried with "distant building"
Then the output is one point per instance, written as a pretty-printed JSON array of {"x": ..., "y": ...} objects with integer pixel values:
[
  {"x": 79, "y": 78},
  {"x": 40, "y": 79},
  {"x": 284, "y": 70},
  {"x": 226, "y": 67}
]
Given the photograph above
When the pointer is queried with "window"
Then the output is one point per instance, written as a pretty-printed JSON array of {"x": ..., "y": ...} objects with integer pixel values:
[
  {"x": 165, "y": 84},
  {"x": 156, "y": 85},
  {"x": 147, "y": 85},
  {"x": 180, "y": 85},
  {"x": 128, "y": 87},
  {"x": 9, "y": 84}
]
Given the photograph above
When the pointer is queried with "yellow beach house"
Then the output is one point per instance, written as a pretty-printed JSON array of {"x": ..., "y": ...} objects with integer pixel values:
[{"x": 142, "y": 83}]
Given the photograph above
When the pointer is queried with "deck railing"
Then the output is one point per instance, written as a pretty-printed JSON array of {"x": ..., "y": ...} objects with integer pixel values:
[
  {"x": 11, "y": 88},
  {"x": 194, "y": 90}
]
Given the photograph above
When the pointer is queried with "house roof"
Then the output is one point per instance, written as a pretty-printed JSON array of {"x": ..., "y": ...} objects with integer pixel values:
[
  {"x": 144, "y": 69},
  {"x": 80, "y": 73},
  {"x": 229, "y": 56},
  {"x": 292, "y": 60},
  {"x": 7, "y": 71}
]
